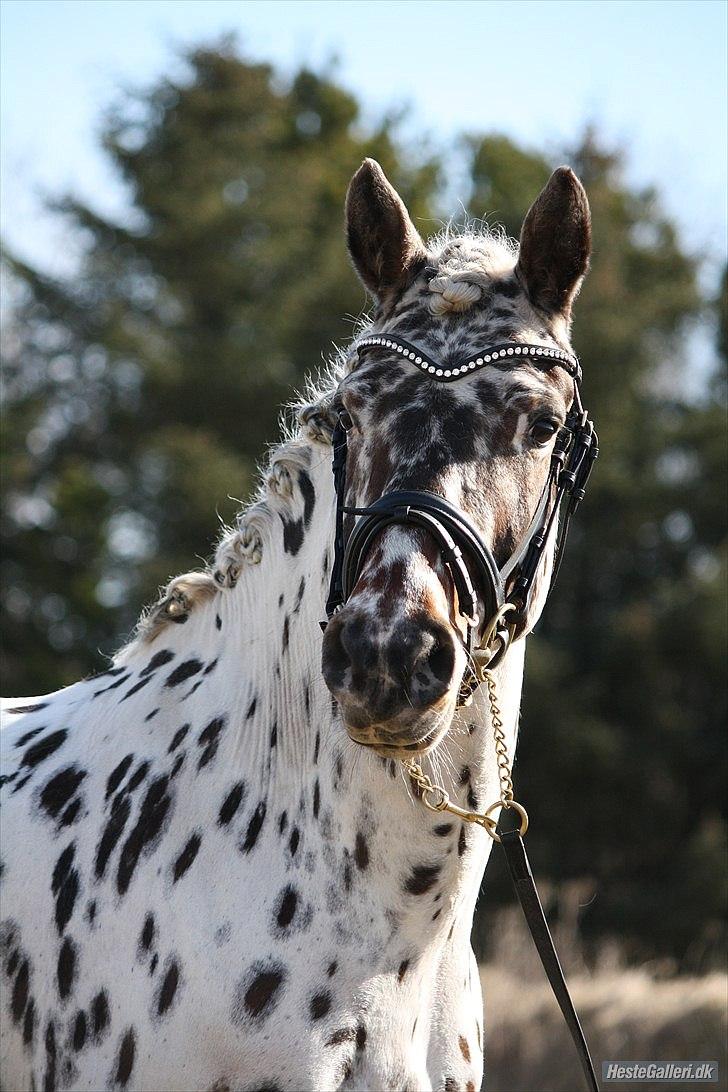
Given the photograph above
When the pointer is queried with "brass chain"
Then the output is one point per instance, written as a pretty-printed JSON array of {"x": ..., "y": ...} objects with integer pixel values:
[
  {"x": 436, "y": 798},
  {"x": 501, "y": 749}
]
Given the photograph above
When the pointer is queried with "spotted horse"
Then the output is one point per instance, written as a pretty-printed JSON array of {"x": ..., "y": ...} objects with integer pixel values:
[{"x": 217, "y": 872}]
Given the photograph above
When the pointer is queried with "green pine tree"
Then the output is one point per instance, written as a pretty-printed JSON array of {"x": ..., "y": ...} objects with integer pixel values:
[{"x": 141, "y": 393}]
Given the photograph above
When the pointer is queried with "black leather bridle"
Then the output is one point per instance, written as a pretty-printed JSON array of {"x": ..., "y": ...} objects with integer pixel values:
[
  {"x": 492, "y": 600},
  {"x": 483, "y": 588}
]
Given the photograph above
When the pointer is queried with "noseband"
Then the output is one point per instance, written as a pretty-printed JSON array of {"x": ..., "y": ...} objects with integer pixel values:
[{"x": 492, "y": 600}]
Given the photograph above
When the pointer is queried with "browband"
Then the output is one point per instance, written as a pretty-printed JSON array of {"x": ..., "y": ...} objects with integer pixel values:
[{"x": 495, "y": 354}]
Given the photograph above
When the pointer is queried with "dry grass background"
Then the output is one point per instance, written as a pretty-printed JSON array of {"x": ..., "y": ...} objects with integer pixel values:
[{"x": 647, "y": 1012}]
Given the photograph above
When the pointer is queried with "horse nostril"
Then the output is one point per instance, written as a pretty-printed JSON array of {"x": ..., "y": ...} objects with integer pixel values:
[
  {"x": 335, "y": 657},
  {"x": 441, "y": 660}
]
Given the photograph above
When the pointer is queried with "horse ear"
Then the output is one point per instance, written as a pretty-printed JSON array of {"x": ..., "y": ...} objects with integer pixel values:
[
  {"x": 383, "y": 242},
  {"x": 556, "y": 243}
]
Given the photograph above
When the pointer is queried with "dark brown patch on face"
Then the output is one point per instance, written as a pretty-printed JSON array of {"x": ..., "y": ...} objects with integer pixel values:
[{"x": 464, "y": 1048}]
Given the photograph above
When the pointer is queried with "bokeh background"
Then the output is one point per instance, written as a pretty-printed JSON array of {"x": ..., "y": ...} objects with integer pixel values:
[{"x": 174, "y": 264}]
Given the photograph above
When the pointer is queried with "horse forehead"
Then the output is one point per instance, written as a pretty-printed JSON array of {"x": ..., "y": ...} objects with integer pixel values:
[{"x": 409, "y": 418}]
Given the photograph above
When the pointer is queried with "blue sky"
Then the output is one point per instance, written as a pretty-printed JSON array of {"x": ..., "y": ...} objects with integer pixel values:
[{"x": 651, "y": 74}]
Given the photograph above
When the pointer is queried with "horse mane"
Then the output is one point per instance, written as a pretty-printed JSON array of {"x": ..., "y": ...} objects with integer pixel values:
[
  {"x": 467, "y": 257},
  {"x": 307, "y": 422}
]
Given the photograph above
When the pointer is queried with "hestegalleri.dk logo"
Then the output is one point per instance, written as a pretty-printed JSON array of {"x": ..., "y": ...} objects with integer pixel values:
[{"x": 660, "y": 1071}]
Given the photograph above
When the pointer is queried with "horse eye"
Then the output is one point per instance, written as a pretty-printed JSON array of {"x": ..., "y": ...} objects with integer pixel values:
[
  {"x": 543, "y": 430},
  {"x": 345, "y": 419}
]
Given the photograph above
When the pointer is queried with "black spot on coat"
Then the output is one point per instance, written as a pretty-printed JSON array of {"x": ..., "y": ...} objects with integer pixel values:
[
  {"x": 79, "y": 1031},
  {"x": 118, "y": 774},
  {"x": 71, "y": 813},
  {"x": 168, "y": 988},
  {"x": 125, "y": 1063},
  {"x": 183, "y": 672},
  {"x": 138, "y": 776},
  {"x": 159, "y": 659},
  {"x": 320, "y": 1004},
  {"x": 49, "y": 1078},
  {"x": 147, "y": 934},
  {"x": 57, "y": 793},
  {"x": 153, "y": 812},
  {"x": 66, "y": 970},
  {"x": 21, "y": 987},
  {"x": 27, "y": 736},
  {"x": 186, "y": 857},
  {"x": 177, "y": 738},
  {"x": 209, "y": 739},
  {"x": 44, "y": 748},
  {"x": 231, "y": 803},
  {"x": 119, "y": 682},
  {"x": 64, "y": 885},
  {"x": 29, "y": 1023},
  {"x": 293, "y": 529},
  {"x": 260, "y": 991},
  {"x": 361, "y": 852},
  {"x": 120, "y": 811},
  {"x": 287, "y": 903},
  {"x": 137, "y": 687},
  {"x": 421, "y": 879},
  {"x": 254, "y": 827},
  {"x": 99, "y": 1014}
]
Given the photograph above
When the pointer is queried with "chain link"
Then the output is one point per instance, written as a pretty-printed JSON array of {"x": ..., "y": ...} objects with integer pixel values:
[{"x": 436, "y": 798}]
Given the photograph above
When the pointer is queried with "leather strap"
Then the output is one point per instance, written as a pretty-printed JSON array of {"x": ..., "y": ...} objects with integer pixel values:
[
  {"x": 525, "y": 887},
  {"x": 451, "y": 530}
]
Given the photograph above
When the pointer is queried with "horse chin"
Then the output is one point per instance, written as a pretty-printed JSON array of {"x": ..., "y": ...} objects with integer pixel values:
[{"x": 390, "y": 740}]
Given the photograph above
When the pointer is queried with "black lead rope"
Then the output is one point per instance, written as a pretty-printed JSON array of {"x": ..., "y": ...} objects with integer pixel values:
[{"x": 527, "y": 894}]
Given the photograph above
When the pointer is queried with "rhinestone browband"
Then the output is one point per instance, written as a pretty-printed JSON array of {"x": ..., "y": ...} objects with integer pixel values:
[{"x": 538, "y": 353}]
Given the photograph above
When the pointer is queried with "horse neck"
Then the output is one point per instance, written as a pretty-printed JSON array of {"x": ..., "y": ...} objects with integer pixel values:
[{"x": 272, "y": 615}]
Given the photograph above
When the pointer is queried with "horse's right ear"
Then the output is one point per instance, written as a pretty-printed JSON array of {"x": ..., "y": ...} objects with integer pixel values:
[{"x": 383, "y": 242}]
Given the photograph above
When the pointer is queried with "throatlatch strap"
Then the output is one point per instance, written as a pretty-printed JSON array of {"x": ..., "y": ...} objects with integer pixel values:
[{"x": 525, "y": 887}]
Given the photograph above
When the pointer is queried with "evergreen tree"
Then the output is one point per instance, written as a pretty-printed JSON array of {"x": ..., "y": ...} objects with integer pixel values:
[{"x": 141, "y": 393}]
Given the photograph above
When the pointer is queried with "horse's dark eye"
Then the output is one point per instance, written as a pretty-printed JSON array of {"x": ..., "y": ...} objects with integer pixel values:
[
  {"x": 345, "y": 419},
  {"x": 543, "y": 430}
]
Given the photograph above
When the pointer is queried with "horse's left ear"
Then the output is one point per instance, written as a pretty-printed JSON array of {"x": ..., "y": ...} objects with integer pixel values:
[
  {"x": 383, "y": 242},
  {"x": 556, "y": 243}
]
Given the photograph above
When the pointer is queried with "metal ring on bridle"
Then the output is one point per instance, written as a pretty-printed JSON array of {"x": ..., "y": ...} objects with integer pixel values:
[{"x": 491, "y": 827}]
